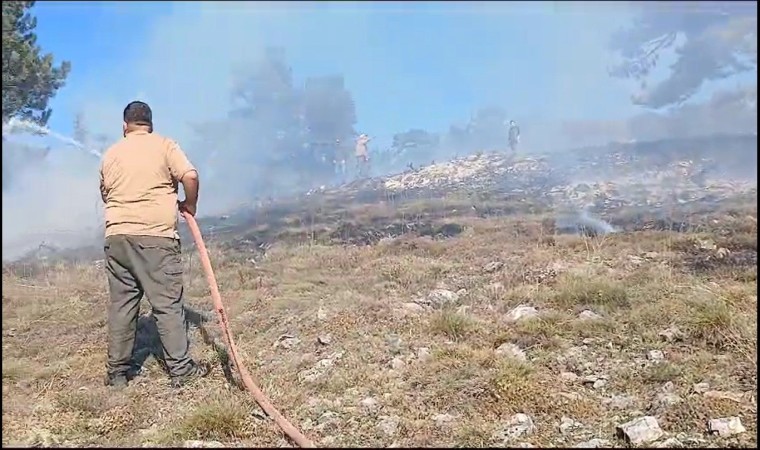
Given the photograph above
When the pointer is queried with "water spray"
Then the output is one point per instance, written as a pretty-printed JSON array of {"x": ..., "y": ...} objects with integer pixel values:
[{"x": 15, "y": 125}]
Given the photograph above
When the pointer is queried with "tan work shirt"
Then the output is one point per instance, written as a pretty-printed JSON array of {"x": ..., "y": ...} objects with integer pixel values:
[
  {"x": 139, "y": 177},
  {"x": 361, "y": 147}
]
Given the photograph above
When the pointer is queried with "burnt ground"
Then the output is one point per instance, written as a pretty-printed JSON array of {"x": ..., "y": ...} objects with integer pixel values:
[{"x": 464, "y": 304}]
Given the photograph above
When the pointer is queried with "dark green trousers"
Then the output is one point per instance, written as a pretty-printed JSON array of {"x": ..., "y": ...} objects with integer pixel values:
[{"x": 150, "y": 266}]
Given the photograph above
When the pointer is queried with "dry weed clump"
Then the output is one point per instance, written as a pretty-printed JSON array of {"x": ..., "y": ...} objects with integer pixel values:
[
  {"x": 221, "y": 418},
  {"x": 574, "y": 292},
  {"x": 452, "y": 324}
]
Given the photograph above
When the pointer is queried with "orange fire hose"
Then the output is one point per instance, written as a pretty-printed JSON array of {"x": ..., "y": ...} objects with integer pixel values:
[{"x": 291, "y": 431}]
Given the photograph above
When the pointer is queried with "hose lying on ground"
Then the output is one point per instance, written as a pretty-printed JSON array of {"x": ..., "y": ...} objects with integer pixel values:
[{"x": 292, "y": 432}]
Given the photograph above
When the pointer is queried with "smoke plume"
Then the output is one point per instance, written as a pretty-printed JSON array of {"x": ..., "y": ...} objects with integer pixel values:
[{"x": 255, "y": 93}]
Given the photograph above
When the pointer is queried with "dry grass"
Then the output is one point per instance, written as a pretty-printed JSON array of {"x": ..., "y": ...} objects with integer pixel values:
[{"x": 639, "y": 283}]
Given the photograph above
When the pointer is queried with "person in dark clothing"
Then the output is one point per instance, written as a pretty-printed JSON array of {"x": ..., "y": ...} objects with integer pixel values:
[{"x": 514, "y": 136}]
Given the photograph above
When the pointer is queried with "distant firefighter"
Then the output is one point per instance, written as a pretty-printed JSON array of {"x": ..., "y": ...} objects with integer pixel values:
[
  {"x": 340, "y": 159},
  {"x": 362, "y": 155},
  {"x": 514, "y": 136}
]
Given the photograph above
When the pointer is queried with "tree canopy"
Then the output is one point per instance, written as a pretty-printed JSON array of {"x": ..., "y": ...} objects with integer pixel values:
[
  {"x": 30, "y": 77},
  {"x": 711, "y": 41}
]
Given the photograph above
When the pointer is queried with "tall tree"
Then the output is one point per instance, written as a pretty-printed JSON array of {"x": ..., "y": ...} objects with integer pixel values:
[
  {"x": 711, "y": 41},
  {"x": 488, "y": 128},
  {"x": 328, "y": 109},
  {"x": 415, "y": 142},
  {"x": 266, "y": 93},
  {"x": 30, "y": 78},
  {"x": 266, "y": 99}
]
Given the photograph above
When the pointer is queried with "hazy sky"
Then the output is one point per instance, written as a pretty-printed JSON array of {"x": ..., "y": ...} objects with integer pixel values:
[{"x": 408, "y": 64}]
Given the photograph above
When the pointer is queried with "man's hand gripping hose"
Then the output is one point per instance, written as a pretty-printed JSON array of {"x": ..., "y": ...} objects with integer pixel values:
[{"x": 291, "y": 431}]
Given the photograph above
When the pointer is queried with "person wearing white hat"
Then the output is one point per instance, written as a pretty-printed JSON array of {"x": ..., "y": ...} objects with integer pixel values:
[{"x": 362, "y": 155}]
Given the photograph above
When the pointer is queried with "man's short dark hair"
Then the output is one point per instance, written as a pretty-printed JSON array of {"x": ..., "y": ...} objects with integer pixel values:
[{"x": 138, "y": 113}]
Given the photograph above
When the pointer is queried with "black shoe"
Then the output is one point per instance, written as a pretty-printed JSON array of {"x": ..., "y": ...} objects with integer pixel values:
[
  {"x": 117, "y": 381},
  {"x": 199, "y": 370}
]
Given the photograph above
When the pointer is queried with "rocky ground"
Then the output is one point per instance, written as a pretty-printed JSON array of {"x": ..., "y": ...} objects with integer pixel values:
[{"x": 469, "y": 303}]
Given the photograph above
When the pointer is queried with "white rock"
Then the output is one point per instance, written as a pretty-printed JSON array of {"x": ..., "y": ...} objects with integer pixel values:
[
  {"x": 701, "y": 388},
  {"x": 324, "y": 339},
  {"x": 320, "y": 368},
  {"x": 569, "y": 377},
  {"x": 493, "y": 266},
  {"x": 517, "y": 426},
  {"x": 567, "y": 425},
  {"x": 589, "y": 315},
  {"x": 635, "y": 260},
  {"x": 423, "y": 354},
  {"x": 639, "y": 431},
  {"x": 656, "y": 355},
  {"x": 666, "y": 399},
  {"x": 397, "y": 363},
  {"x": 510, "y": 350},
  {"x": 369, "y": 404},
  {"x": 388, "y": 425},
  {"x": 443, "y": 419},
  {"x": 727, "y": 426},
  {"x": 521, "y": 312},
  {"x": 440, "y": 298},
  {"x": 596, "y": 381},
  {"x": 327, "y": 441},
  {"x": 287, "y": 342}
]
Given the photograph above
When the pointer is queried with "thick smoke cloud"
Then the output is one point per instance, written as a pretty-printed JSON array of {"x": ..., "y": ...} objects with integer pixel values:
[
  {"x": 725, "y": 112},
  {"x": 254, "y": 92}
]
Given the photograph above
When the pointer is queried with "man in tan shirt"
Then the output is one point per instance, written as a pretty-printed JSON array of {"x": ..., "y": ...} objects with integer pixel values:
[
  {"x": 139, "y": 177},
  {"x": 362, "y": 155}
]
